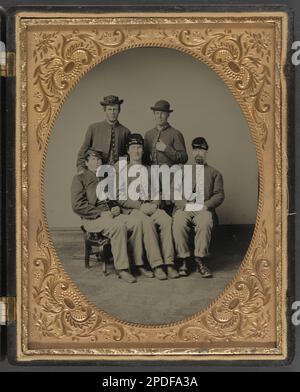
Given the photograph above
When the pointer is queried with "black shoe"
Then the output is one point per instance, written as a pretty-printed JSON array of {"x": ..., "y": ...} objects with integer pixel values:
[{"x": 203, "y": 270}]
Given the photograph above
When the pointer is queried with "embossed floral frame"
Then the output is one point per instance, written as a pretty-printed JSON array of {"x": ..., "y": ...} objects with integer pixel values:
[{"x": 248, "y": 321}]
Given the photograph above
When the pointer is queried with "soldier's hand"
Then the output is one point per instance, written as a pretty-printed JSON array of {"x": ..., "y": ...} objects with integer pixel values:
[
  {"x": 106, "y": 214},
  {"x": 160, "y": 146},
  {"x": 115, "y": 211},
  {"x": 153, "y": 208},
  {"x": 146, "y": 208},
  {"x": 180, "y": 204}
]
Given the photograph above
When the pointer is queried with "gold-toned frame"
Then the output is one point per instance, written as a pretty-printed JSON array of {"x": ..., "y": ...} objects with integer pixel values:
[{"x": 248, "y": 320}]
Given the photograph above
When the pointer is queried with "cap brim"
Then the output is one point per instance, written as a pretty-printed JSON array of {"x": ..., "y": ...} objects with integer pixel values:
[
  {"x": 202, "y": 147},
  {"x": 115, "y": 103},
  {"x": 161, "y": 110}
]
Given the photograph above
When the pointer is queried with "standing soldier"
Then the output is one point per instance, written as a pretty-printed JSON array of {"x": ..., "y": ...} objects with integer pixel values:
[
  {"x": 202, "y": 220},
  {"x": 157, "y": 224},
  {"x": 104, "y": 217},
  {"x": 164, "y": 144},
  {"x": 108, "y": 136}
]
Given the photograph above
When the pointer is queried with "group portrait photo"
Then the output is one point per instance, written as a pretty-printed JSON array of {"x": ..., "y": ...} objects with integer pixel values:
[{"x": 143, "y": 259}]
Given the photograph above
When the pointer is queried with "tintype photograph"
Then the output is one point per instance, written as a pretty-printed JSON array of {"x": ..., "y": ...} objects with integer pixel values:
[
  {"x": 174, "y": 111},
  {"x": 151, "y": 155}
]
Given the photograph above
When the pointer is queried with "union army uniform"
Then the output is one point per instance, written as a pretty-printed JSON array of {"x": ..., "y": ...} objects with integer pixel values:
[
  {"x": 175, "y": 152},
  {"x": 203, "y": 220},
  {"x": 95, "y": 219},
  {"x": 110, "y": 139},
  {"x": 157, "y": 228}
]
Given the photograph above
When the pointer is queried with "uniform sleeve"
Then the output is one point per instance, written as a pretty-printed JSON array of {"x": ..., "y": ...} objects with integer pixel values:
[
  {"x": 147, "y": 150},
  {"x": 218, "y": 195},
  {"x": 88, "y": 140},
  {"x": 130, "y": 204},
  {"x": 80, "y": 204},
  {"x": 177, "y": 153},
  {"x": 127, "y": 132}
]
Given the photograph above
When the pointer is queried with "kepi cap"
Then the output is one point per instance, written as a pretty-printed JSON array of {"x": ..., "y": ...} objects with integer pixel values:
[
  {"x": 135, "y": 138},
  {"x": 94, "y": 152},
  {"x": 200, "y": 142}
]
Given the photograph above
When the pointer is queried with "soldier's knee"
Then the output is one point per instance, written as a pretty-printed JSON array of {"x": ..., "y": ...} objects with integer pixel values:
[
  {"x": 165, "y": 221},
  {"x": 204, "y": 219},
  {"x": 118, "y": 227},
  {"x": 179, "y": 218}
]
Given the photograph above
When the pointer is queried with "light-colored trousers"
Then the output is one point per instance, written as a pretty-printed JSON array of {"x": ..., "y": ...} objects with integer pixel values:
[
  {"x": 158, "y": 239},
  {"x": 122, "y": 231},
  {"x": 183, "y": 221}
]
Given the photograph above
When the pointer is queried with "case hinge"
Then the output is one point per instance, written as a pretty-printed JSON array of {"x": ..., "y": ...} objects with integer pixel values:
[
  {"x": 7, "y": 310},
  {"x": 8, "y": 64}
]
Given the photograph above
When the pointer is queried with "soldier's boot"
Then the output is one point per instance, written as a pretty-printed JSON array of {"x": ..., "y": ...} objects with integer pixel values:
[
  {"x": 203, "y": 270},
  {"x": 146, "y": 273},
  {"x": 172, "y": 273},
  {"x": 183, "y": 270},
  {"x": 160, "y": 274},
  {"x": 126, "y": 275}
]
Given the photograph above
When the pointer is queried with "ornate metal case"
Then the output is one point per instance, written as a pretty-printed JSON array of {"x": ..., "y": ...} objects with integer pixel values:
[{"x": 249, "y": 320}]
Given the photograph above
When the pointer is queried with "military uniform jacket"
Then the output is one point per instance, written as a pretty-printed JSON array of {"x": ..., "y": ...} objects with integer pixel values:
[
  {"x": 213, "y": 189},
  {"x": 128, "y": 205},
  {"x": 84, "y": 198},
  {"x": 98, "y": 136},
  {"x": 175, "y": 152}
]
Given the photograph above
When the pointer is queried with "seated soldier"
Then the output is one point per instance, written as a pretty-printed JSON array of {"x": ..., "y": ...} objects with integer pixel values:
[
  {"x": 157, "y": 224},
  {"x": 105, "y": 218},
  {"x": 202, "y": 220}
]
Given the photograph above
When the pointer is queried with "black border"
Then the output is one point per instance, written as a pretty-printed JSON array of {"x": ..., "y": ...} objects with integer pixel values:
[
  {"x": 9, "y": 176},
  {"x": 2, "y": 226}
]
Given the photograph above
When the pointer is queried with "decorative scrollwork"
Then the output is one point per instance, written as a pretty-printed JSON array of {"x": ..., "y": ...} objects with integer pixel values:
[
  {"x": 243, "y": 59},
  {"x": 243, "y": 308},
  {"x": 61, "y": 59},
  {"x": 60, "y": 311}
]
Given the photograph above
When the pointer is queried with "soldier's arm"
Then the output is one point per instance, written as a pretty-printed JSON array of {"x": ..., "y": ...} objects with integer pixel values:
[
  {"x": 83, "y": 149},
  {"x": 80, "y": 204},
  {"x": 218, "y": 195},
  {"x": 147, "y": 151},
  {"x": 177, "y": 153},
  {"x": 130, "y": 204}
]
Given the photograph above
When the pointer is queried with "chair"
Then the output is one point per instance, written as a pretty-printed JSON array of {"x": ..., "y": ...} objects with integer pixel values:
[{"x": 102, "y": 251}]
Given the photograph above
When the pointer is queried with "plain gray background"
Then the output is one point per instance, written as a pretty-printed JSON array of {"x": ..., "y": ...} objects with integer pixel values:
[
  {"x": 203, "y": 106},
  {"x": 295, "y": 366}
]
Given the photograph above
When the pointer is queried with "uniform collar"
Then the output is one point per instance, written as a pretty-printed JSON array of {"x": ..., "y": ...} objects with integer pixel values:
[
  {"x": 116, "y": 124},
  {"x": 89, "y": 173},
  {"x": 166, "y": 126}
]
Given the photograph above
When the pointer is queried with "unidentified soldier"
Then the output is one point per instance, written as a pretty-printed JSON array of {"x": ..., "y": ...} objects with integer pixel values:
[
  {"x": 164, "y": 144},
  {"x": 108, "y": 136},
  {"x": 157, "y": 224},
  {"x": 202, "y": 220},
  {"x": 104, "y": 217}
]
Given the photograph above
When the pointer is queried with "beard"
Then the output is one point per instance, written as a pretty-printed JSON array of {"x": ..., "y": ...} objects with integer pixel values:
[{"x": 200, "y": 160}]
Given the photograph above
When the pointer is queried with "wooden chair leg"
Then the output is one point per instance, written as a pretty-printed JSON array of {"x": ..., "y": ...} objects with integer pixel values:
[
  {"x": 87, "y": 254},
  {"x": 104, "y": 258}
]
